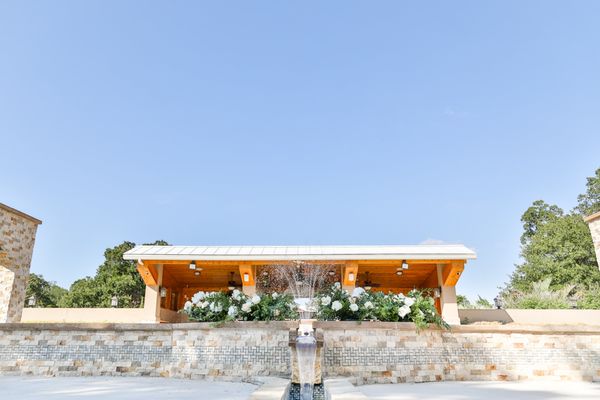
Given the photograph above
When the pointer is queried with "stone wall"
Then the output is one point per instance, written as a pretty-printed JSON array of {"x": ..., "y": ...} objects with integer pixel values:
[
  {"x": 17, "y": 238},
  {"x": 369, "y": 352},
  {"x": 594, "y": 224},
  {"x": 394, "y": 352},
  {"x": 195, "y": 350}
]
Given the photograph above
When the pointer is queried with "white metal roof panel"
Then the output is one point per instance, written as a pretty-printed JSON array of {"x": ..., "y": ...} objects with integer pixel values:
[{"x": 269, "y": 253}]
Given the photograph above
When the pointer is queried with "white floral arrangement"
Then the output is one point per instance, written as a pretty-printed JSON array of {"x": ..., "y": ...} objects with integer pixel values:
[
  {"x": 337, "y": 304},
  {"x": 237, "y": 306}
]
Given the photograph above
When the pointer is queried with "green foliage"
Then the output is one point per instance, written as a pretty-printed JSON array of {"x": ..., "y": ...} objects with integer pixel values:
[
  {"x": 557, "y": 246},
  {"x": 336, "y": 304},
  {"x": 590, "y": 298},
  {"x": 115, "y": 277},
  {"x": 481, "y": 303},
  {"x": 221, "y": 307},
  {"x": 540, "y": 296},
  {"x": 47, "y": 294},
  {"x": 589, "y": 202}
]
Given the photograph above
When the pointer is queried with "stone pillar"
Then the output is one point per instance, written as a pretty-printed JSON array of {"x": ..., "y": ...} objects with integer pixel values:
[
  {"x": 17, "y": 238},
  {"x": 448, "y": 302},
  {"x": 594, "y": 224},
  {"x": 152, "y": 298}
]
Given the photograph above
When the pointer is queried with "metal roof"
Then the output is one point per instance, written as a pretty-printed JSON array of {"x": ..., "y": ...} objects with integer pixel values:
[{"x": 275, "y": 253}]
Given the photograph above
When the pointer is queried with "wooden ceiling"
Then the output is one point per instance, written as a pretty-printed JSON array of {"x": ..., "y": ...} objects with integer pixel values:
[{"x": 215, "y": 276}]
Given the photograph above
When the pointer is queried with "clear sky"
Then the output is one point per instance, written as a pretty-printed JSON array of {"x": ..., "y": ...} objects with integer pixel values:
[{"x": 337, "y": 122}]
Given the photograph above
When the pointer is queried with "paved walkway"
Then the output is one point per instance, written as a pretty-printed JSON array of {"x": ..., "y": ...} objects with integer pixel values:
[
  {"x": 120, "y": 388},
  {"x": 530, "y": 390}
]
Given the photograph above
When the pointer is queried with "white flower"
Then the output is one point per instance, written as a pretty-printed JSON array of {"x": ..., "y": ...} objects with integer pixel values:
[
  {"x": 232, "y": 311},
  {"x": 275, "y": 295},
  {"x": 197, "y": 297},
  {"x": 276, "y": 312},
  {"x": 409, "y": 301},
  {"x": 187, "y": 306},
  {"x": 326, "y": 300},
  {"x": 216, "y": 308},
  {"x": 357, "y": 292},
  {"x": 368, "y": 305},
  {"x": 204, "y": 304},
  {"x": 236, "y": 295},
  {"x": 354, "y": 307},
  {"x": 246, "y": 307},
  {"x": 337, "y": 285},
  {"x": 336, "y": 306},
  {"x": 400, "y": 296},
  {"x": 255, "y": 299},
  {"x": 403, "y": 311}
]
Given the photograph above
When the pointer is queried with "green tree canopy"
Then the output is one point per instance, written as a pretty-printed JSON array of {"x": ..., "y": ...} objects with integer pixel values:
[
  {"x": 114, "y": 277},
  {"x": 556, "y": 247},
  {"x": 46, "y": 293}
]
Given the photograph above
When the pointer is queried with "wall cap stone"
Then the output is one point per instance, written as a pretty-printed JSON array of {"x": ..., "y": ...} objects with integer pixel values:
[
  {"x": 20, "y": 214},
  {"x": 63, "y": 326}
]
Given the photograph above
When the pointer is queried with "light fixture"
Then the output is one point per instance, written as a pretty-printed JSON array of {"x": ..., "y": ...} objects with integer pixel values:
[
  {"x": 246, "y": 277},
  {"x": 437, "y": 292},
  {"x": 163, "y": 292},
  {"x": 498, "y": 303},
  {"x": 31, "y": 301},
  {"x": 197, "y": 273},
  {"x": 193, "y": 265},
  {"x": 114, "y": 301},
  {"x": 404, "y": 264},
  {"x": 331, "y": 273},
  {"x": 351, "y": 276},
  {"x": 398, "y": 273},
  {"x": 231, "y": 284},
  {"x": 367, "y": 287}
]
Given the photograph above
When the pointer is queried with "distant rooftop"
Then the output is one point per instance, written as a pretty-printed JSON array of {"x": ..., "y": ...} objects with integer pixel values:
[
  {"x": 20, "y": 213},
  {"x": 270, "y": 253}
]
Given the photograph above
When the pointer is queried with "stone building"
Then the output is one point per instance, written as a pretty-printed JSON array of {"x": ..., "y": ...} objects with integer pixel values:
[
  {"x": 594, "y": 224},
  {"x": 17, "y": 238}
]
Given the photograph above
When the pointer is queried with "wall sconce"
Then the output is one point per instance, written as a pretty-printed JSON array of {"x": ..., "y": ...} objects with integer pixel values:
[
  {"x": 437, "y": 292},
  {"x": 498, "y": 303},
  {"x": 163, "y": 292},
  {"x": 31, "y": 301},
  {"x": 246, "y": 277},
  {"x": 331, "y": 273},
  {"x": 114, "y": 301},
  {"x": 351, "y": 276},
  {"x": 404, "y": 264}
]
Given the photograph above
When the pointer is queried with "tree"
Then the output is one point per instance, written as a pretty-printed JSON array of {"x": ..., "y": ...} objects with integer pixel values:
[
  {"x": 589, "y": 202},
  {"x": 46, "y": 293},
  {"x": 557, "y": 248},
  {"x": 115, "y": 277}
]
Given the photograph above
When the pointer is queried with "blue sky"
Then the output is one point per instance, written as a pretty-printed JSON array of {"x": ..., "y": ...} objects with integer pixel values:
[{"x": 334, "y": 122}]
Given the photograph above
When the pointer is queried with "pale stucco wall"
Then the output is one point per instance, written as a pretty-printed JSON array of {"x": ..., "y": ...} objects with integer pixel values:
[{"x": 17, "y": 238}]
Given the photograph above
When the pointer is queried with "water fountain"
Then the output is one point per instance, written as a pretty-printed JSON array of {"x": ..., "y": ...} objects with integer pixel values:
[{"x": 303, "y": 280}]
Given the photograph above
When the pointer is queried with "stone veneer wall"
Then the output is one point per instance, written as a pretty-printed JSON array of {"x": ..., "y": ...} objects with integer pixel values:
[
  {"x": 17, "y": 238},
  {"x": 594, "y": 224},
  {"x": 368, "y": 352},
  {"x": 394, "y": 352},
  {"x": 194, "y": 350}
]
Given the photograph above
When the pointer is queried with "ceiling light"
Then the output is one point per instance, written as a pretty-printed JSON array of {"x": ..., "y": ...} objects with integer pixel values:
[
  {"x": 404, "y": 265},
  {"x": 197, "y": 273},
  {"x": 193, "y": 265},
  {"x": 398, "y": 273}
]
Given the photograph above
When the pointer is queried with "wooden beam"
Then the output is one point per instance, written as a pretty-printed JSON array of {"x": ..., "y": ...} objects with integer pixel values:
[
  {"x": 431, "y": 281},
  {"x": 452, "y": 272},
  {"x": 148, "y": 274}
]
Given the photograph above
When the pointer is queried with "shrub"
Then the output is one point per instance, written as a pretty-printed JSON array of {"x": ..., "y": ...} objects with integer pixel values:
[
  {"x": 590, "y": 298},
  {"x": 220, "y": 307},
  {"x": 539, "y": 297},
  {"x": 337, "y": 304}
]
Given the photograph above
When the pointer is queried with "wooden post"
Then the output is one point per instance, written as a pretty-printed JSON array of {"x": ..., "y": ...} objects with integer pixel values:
[
  {"x": 349, "y": 276},
  {"x": 248, "y": 282}
]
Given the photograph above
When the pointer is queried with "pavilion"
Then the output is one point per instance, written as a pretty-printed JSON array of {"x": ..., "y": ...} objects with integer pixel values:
[{"x": 172, "y": 274}]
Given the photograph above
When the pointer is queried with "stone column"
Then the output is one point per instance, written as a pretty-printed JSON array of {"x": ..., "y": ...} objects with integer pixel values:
[
  {"x": 152, "y": 298},
  {"x": 594, "y": 224},
  {"x": 17, "y": 238},
  {"x": 448, "y": 302}
]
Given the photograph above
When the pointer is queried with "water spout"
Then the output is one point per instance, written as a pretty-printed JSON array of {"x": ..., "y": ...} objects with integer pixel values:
[{"x": 306, "y": 350}]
